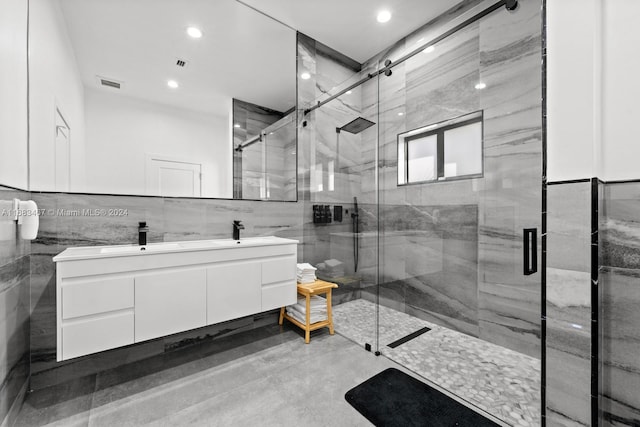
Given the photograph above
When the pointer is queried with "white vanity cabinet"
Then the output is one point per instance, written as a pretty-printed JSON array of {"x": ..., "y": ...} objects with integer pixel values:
[
  {"x": 170, "y": 302},
  {"x": 233, "y": 290},
  {"x": 97, "y": 313},
  {"x": 108, "y": 297}
]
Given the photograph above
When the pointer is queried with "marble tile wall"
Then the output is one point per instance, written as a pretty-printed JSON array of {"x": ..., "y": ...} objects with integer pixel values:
[
  {"x": 619, "y": 301},
  {"x": 430, "y": 258},
  {"x": 425, "y": 89},
  {"x": 568, "y": 342},
  {"x": 329, "y": 163},
  {"x": 169, "y": 219},
  {"x": 510, "y": 67},
  {"x": 431, "y": 87},
  {"x": 14, "y": 309}
]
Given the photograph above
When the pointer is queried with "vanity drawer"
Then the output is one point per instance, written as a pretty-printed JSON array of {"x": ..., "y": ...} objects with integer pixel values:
[
  {"x": 278, "y": 270},
  {"x": 278, "y": 295},
  {"x": 95, "y": 334},
  {"x": 87, "y": 297}
]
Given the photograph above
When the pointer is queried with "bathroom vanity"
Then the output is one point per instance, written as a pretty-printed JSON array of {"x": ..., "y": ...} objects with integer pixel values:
[{"x": 112, "y": 296}]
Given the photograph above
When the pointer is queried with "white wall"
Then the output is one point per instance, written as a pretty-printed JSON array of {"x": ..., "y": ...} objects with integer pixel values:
[
  {"x": 621, "y": 90},
  {"x": 121, "y": 130},
  {"x": 54, "y": 83},
  {"x": 13, "y": 93},
  {"x": 593, "y": 89},
  {"x": 572, "y": 88}
]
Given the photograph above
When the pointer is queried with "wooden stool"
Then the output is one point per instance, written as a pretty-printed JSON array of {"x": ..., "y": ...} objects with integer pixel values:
[{"x": 308, "y": 290}]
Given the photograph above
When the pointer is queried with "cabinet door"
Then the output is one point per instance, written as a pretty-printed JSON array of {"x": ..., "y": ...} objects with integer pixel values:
[
  {"x": 233, "y": 291},
  {"x": 170, "y": 302}
]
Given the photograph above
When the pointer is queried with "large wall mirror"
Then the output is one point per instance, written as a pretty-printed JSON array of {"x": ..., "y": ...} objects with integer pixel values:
[{"x": 161, "y": 97}]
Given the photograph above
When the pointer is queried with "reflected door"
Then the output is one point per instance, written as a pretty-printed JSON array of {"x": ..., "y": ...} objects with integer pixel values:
[{"x": 173, "y": 178}]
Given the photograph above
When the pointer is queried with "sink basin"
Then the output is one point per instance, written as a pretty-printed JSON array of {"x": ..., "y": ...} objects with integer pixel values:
[
  {"x": 133, "y": 249},
  {"x": 201, "y": 244},
  {"x": 87, "y": 252}
]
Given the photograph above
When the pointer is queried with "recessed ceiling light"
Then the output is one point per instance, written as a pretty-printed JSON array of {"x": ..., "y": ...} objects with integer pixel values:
[
  {"x": 305, "y": 76},
  {"x": 383, "y": 16},
  {"x": 172, "y": 84},
  {"x": 237, "y": 125},
  {"x": 480, "y": 85},
  {"x": 429, "y": 49},
  {"x": 194, "y": 32},
  {"x": 401, "y": 113},
  {"x": 349, "y": 92}
]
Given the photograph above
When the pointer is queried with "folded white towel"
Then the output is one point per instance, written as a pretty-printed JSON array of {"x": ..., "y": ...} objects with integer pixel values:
[
  {"x": 319, "y": 314},
  {"x": 332, "y": 263},
  {"x": 302, "y": 312},
  {"x": 312, "y": 274},
  {"x": 315, "y": 302},
  {"x": 305, "y": 266},
  {"x": 314, "y": 318}
]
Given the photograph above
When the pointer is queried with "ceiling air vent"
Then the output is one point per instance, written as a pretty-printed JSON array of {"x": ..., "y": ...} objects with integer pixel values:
[
  {"x": 110, "y": 83},
  {"x": 181, "y": 62}
]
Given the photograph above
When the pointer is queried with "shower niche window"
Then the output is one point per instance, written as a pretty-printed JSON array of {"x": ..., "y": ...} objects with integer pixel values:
[{"x": 447, "y": 150}]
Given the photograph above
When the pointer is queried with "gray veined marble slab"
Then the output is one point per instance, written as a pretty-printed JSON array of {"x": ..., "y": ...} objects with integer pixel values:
[{"x": 15, "y": 260}]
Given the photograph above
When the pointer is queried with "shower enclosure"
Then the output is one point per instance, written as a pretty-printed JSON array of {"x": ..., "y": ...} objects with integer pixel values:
[
  {"x": 448, "y": 182},
  {"x": 264, "y": 161}
]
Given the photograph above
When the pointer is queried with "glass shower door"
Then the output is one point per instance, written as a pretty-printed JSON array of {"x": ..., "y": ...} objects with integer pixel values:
[{"x": 460, "y": 182}]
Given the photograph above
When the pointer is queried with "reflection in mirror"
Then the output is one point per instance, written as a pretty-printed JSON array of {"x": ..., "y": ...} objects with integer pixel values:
[
  {"x": 264, "y": 155},
  {"x": 144, "y": 89}
]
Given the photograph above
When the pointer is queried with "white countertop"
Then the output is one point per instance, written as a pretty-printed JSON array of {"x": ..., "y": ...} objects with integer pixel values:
[{"x": 92, "y": 252}]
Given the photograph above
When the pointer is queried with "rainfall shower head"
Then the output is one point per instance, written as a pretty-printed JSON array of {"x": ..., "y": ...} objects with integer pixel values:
[
  {"x": 511, "y": 4},
  {"x": 356, "y": 126}
]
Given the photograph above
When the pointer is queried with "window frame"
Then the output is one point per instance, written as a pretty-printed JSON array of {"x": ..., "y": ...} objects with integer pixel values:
[{"x": 439, "y": 129}]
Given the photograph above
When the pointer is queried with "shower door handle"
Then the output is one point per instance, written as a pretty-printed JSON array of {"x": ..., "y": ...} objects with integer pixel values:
[{"x": 530, "y": 251}]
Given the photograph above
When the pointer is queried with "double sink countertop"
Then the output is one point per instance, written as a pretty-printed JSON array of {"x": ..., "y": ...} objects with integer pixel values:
[{"x": 91, "y": 252}]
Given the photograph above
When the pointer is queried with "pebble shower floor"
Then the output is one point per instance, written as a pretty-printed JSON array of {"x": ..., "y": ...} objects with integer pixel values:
[{"x": 502, "y": 382}]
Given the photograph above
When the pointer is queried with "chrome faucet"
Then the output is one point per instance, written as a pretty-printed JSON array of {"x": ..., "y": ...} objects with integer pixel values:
[
  {"x": 142, "y": 233},
  {"x": 237, "y": 226}
]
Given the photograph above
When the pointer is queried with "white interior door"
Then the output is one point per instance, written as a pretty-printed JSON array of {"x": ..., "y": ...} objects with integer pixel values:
[
  {"x": 167, "y": 177},
  {"x": 63, "y": 135}
]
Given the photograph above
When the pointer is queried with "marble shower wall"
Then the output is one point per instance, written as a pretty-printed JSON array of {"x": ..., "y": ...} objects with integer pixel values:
[
  {"x": 14, "y": 309},
  {"x": 330, "y": 162},
  {"x": 169, "y": 219},
  {"x": 568, "y": 342},
  {"x": 481, "y": 291},
  {"x": 619, "y": 303}
]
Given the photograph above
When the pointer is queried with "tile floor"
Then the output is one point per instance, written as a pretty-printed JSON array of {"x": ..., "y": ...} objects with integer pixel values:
[
  {"x": 269, "y": 377},
  {"x": 268, "y": 380},
  {"x": 502, "y": 382},
  {"x": 265, "y": 377}
]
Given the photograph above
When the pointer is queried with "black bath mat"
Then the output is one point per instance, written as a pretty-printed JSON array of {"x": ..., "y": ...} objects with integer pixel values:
[{"x": 393, "y": 398}]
